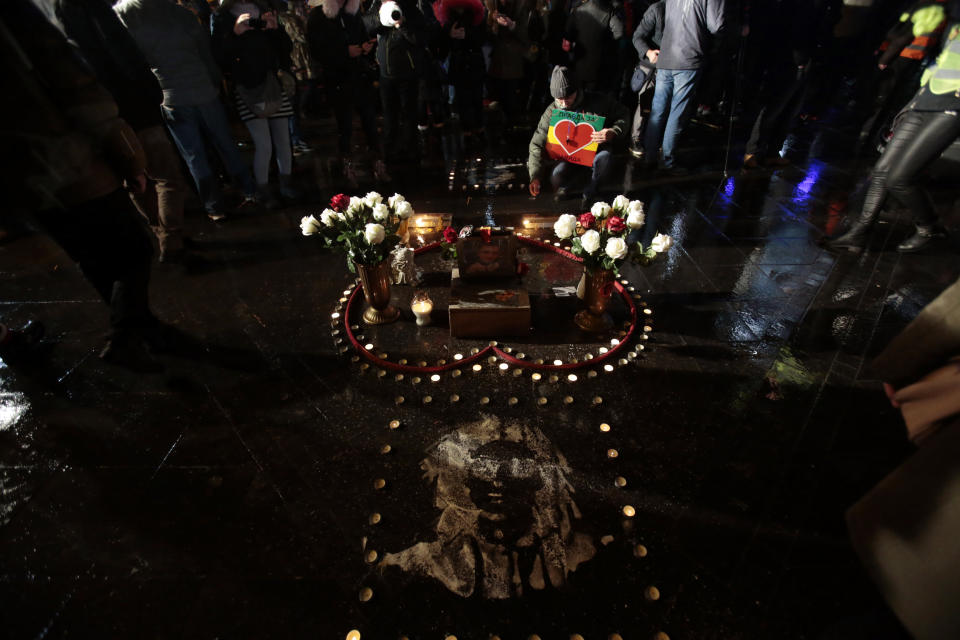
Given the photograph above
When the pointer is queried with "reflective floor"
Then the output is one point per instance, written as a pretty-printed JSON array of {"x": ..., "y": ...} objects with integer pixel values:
[{"x": 272, "y": 483}]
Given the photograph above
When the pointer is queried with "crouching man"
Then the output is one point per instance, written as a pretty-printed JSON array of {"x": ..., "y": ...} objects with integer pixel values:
[{"x": 611, "y": 140}]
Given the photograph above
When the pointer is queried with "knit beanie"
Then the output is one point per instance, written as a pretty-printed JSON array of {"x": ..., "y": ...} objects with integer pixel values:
[{"x": 562, "y": 82}]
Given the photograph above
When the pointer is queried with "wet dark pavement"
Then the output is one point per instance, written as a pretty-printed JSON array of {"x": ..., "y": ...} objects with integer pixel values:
[{"x": 695, "y": 490}]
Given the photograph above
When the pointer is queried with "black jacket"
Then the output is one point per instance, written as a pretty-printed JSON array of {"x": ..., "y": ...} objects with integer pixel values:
[
  {"x": 248, "y": 58},
  {"x": 328, "y": 39},
  {"x": 400, "y": 52}
]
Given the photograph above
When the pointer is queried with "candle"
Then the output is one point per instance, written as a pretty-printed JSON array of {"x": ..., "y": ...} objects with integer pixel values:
[{"x": 422, "y": 306}]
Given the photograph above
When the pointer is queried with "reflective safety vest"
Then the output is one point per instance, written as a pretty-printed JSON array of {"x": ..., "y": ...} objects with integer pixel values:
[
  {"x": 928, "y": 22},
  {"x": 944, "y": 77}
]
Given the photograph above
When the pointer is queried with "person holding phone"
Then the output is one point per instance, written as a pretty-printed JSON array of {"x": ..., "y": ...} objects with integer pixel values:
[
  {"x": 251, "y": 48},
  {"x": 462, "y": 39}
]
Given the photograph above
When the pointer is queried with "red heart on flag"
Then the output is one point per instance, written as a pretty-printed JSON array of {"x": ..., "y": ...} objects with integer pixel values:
[{"x": 572, "y": 137}]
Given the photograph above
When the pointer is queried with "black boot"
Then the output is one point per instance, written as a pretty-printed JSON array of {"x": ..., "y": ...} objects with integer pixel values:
[
  {"x": 921, "y": 238},
  {"x": 855, "y": 237}
]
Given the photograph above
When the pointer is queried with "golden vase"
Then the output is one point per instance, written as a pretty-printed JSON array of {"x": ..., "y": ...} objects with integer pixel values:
[
  {"x": 597, "y": 289},
  {"x": 376, "y": 289}
]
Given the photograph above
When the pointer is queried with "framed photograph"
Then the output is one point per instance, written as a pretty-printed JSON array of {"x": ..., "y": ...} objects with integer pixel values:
[{"x": 479, "y": 260}]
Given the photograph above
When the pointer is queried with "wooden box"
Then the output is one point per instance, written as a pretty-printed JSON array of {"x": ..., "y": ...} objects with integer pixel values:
[{"x": 488, "y": 309}]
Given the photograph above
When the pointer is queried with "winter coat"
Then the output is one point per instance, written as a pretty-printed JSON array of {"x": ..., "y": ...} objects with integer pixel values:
[
  {"x": 687, "y": 27},
  {"x": 331, "y": 28},
  {"x": 119, "y": 65},
  {"x": 594, "y": 29},
  {"x": 509, "y": 46},
  {"x": 649, "y": 33},
  {"x": 64, "y": 144},
  {"x": 176, "y": 48},
  {"x": 400, "y": 51},
  {"x": 250, "y": 57},
  {"x": 466, "y": 62},
  {"x": 615, "y": 115}
]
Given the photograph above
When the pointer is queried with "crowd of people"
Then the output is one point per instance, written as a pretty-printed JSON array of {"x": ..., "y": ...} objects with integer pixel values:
[{"x": 117, "y": 98}]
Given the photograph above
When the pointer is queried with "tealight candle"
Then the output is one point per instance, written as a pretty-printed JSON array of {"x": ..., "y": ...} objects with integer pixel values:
[{"x": 422, "y": 306}]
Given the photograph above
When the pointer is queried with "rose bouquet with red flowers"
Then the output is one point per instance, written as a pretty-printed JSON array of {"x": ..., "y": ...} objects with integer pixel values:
[
  {"x": 449, "y": 237},
  {"x": 599, "y": 236},
  {"x": 365, "y": 228}
]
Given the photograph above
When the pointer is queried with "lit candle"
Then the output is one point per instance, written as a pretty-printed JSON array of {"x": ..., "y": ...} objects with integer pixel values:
[{"x": 422, "y": 307}]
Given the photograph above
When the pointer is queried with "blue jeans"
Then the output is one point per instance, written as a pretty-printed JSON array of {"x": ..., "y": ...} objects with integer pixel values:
[
  {"x": 191, "y": 126},
  {"x": 672, "y": 104},
  {"x": 566, "y": 174}
]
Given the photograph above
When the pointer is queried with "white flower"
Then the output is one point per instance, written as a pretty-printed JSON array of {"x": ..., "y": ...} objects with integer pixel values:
[
  {"x": 565, "y": 226},
  {"x": 621, "y": 202},
  {"x": 395, "y": 199},
  {"x": 372, "y": 199},
  {"x": 404, "y": 209},
  {"x": 309, "y": 225},
  {"x": 328, "y": 217},
  {"x": 600, "y": 209},
  {"x": 355, "y": 206},
  {"x": 373, "y": 233},
  {"x": 590, "y": 241},
  {"x": 341, "y": 216},
  {"x": 661, "y": 243},
  {"x": 381, "y": 212},
  {"x": 635, "y": 215},
  {"x": 616, "y": 248}
]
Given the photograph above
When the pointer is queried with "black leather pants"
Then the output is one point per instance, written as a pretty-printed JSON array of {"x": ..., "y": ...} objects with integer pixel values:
[{"x": 919, "y": 139}]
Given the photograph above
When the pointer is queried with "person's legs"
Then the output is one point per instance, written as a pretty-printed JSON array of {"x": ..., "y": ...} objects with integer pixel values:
[
  {"x": 567, "y": 176},
  {"x": 409, "y": 89},
  {"x": 919, "y": 139},
  {"x": 390, "y": 99},
  {"x": 218, "y": 128},
  {"x": 280, "y": 137},
  {"x": 604, "y": 164},
  {"x": 938, "y": 132},
  {"x": 681, "y": 106},
  {"x": 164, "y": 210},
  {"x": 259, "y": 130},
  {"x": 659, "y": 110},
  {"x": 108, "y": 242},
  {"x": 185, "y": 125}
]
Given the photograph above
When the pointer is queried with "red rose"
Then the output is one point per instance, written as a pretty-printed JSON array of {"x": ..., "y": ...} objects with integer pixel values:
[
  {"x": 615, "y": 224},
  {"x": 586, "y": 220},
  {"x": 339, "y": 202},
  {"x": 485, "y": 234},
  {"x": 450, "y": 235},
  {"x": 523, "y": 268}
]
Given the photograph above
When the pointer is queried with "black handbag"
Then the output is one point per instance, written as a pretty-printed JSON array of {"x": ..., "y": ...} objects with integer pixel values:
[{"x": 642, "y": 73}]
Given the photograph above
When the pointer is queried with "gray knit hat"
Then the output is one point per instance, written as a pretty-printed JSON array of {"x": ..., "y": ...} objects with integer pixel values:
[{"x": 562, "y": 82}]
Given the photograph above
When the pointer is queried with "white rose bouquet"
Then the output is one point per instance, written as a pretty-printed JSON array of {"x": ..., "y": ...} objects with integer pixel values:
[
  {"x": 599, "y": 236},
  {"x": 365, "y": 228}
]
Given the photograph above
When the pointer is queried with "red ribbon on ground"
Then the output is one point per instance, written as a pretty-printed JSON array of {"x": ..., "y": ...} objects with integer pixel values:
[{"x": 506, "y": 357}]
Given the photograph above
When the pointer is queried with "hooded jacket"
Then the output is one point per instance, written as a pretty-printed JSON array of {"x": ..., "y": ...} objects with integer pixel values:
[
  {"x": 616, "y": 117},
  {"x": 176, "y": 48},
  {"x": 400, "y": 51},
  {"x": 687, "y": 27}
]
